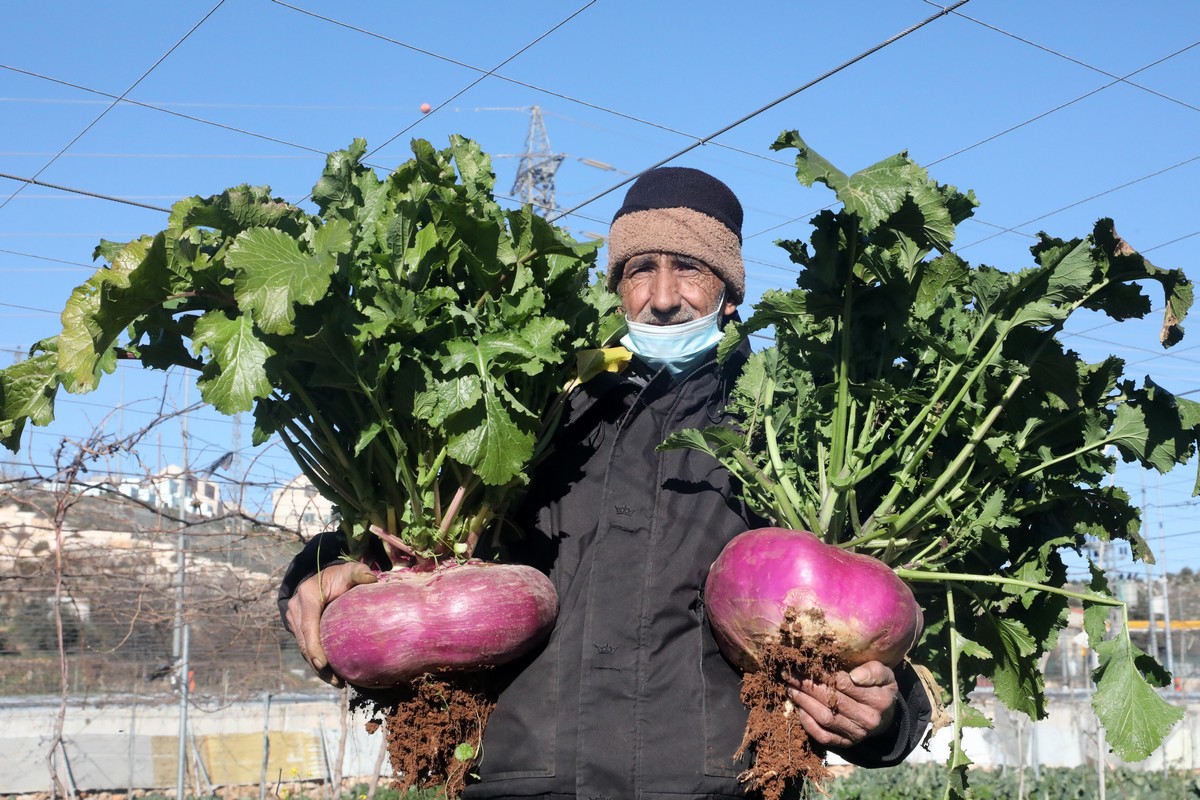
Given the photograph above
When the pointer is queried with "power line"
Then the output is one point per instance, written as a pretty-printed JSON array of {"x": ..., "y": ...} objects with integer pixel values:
[
  {"x": 160, "y": 109},
  {"x": 187, "y": 156},
  {"x": 114, "y": 104},
  {"x": 532, "y": 87},
  {"x": 1036, "y": 117},
  {"x": 27, "y": 308},
  {"x": 1125, "y": 185},
  {"x": 1084, "y": 64},
  {"x": 86, "y": 193},
  {"x": 844, "y": 65},
  {"x": 1060, "y": 107},
  {"x": 473, "y": 83}
]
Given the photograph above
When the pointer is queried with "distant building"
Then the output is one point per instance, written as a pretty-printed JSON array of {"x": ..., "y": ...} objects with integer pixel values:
[
  {"x": 300, "y": 507},
  {"x": 176, "y": 489}
]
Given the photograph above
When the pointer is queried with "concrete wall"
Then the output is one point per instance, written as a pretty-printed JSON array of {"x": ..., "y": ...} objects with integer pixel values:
[{"x": 117, "y": 746}]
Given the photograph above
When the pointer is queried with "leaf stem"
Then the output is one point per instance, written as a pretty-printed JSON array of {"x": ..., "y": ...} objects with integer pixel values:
[
  {"x": 790, "y": 495},
  {"x": 958, "y": 758},
  {"x": 966, "y": 577}
]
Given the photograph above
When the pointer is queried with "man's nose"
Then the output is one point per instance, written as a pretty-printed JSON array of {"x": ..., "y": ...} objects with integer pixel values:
[{"x": 665, "y": 296}]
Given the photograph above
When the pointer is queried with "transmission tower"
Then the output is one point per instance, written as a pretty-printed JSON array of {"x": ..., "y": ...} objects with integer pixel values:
[{"x": 535, "y": 170}]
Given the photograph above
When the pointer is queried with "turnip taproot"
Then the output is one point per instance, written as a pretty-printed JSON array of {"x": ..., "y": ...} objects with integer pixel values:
[
  {"x": 457, "y": 617},
  {"x": 764, "y": 584}
]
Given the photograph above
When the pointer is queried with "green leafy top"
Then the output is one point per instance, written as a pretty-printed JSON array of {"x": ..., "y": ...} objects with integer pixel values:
[
  {"x": 410, "y": 343},
  {"x": 921, "y": 410}
]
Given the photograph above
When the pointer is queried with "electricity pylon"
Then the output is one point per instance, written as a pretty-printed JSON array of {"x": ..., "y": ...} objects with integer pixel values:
[{"x": 536, "y": 169}]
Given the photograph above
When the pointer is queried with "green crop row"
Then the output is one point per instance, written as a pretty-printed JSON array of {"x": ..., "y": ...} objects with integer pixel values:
[{"x": 925, "y": 781}]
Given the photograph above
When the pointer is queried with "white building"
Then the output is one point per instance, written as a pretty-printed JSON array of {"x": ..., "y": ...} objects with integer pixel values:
[
  {"x": 176, "y": 489},
  {"x": 299, "y": 507}
]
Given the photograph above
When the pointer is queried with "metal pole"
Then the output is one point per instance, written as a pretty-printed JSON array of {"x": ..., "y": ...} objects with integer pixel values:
[
  {"x": 70, "y": 773},
  {"x": 1167, "y": 625},
  {"x": 325, "y": 758},
  {"x": 201, "y": 769},
  {"x": 181, "y": 772},
  {"x": 1150, "y": 617},
  {"x": 1035, "y": 756},
  {"x": 132, "y": 741},
  {"x": 177, "y": 633},
  {"x": 262, "y": 784}
]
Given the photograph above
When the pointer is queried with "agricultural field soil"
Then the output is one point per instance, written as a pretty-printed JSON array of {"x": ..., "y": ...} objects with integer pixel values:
[
  {"x": 781, "y": 749},
  {"x": 426, "y": 722}
]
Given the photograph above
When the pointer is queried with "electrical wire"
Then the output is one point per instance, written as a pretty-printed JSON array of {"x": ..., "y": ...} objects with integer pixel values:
[
  {"x": 478, "y": 80},
  {"x": 163, "y": 110},
  {"x": 72, "y": 190},
  {"x": 1061, "y": 106},
  {"x": 525, "y": 85},
  {"x": 1032, "y": 119},
  {"x": 1081, "y": 63},
  {"x": 1088, "y": 199},
  {"x": 114, "y": 104},
  {"x": 745, "y": 118}
]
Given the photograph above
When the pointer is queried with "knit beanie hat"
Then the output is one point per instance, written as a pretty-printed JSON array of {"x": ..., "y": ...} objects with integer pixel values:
[{"x": 683, "y": 211}]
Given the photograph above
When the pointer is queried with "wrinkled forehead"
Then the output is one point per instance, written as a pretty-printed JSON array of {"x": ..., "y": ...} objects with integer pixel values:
[{"x": 666, "y": 258}]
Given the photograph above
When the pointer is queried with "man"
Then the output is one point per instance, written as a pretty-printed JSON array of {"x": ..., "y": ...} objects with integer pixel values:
[{"x": 631, "y": 697}]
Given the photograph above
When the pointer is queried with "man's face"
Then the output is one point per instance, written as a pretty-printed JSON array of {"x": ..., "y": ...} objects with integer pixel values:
[{"x": 667, "y": 289}]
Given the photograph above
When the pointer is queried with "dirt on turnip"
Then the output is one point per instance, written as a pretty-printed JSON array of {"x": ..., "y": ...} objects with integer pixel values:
[
  {"x": 426, "y": 722},
  {"x": 783, "y": 755}
]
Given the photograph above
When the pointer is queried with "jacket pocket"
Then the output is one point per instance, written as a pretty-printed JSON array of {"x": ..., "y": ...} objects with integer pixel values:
[
  {"x": 519, "y": 739},
  {"x": 724, "y": 713}
]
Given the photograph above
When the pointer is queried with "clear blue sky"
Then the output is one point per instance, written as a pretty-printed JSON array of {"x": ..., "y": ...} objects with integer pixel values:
[{"x": 1056, "y": 114}]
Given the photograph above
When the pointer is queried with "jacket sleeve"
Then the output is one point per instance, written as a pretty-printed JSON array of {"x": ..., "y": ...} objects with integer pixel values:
[
  {"x": 913, "y": 713},
  {"x": 318, "y": 553}
]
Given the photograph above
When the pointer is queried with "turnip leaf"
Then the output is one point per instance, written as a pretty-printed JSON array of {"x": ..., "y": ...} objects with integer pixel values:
[
  {"x": 272, "y": 274},
  {"x": 1136, "y": 718},
  {"x": 493, "y": 445},
  {"x": 27, "y": 391},
  {"x": 447, "y": 398},
  {"x": 235, "y": 376}
]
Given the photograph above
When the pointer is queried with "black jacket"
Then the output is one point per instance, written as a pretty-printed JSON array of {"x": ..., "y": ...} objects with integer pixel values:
[{"x": 630, "y": 697}]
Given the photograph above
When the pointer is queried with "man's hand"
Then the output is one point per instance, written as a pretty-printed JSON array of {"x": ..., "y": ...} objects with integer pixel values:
[
  {"x": 854, "y": 706},
  {"x": 305, "y": 607}
]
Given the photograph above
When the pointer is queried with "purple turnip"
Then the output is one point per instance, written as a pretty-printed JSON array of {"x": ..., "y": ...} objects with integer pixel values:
[
  {"x": 767, "y": 583},
  {"x": 457, "y": 617}
]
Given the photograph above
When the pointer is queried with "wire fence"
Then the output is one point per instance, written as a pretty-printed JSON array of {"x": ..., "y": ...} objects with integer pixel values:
[{"x": 117, "y": 584}]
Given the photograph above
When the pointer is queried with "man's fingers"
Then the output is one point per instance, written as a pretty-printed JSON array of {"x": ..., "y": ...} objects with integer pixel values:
[
  {"x": 362, "y": 574},
  {"x": 843, "y": 712},
  {"x": 310, "y": 635},
  {"x": 305, "y": 608},
  {"x": 825, "y": 726},
  {"x": 872, "y": 673}
]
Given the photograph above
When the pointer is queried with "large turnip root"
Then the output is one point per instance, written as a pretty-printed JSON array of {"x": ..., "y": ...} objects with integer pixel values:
[
  {"x": 456, "y": 617},
  {"x": 774, "y": 584},
  {"x": 782, "y": 601}
]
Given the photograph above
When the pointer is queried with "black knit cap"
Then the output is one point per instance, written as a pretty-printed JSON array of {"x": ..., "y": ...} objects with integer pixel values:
[{"x": 684, "y": 211}]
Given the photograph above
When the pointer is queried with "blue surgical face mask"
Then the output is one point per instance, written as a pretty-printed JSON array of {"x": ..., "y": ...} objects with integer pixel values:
[{"x": 676, "y": 347}]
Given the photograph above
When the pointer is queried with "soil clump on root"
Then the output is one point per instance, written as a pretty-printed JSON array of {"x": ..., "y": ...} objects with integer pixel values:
[
  {"x": 782, "y": 754},
  {"x": 426, "y": 722}
]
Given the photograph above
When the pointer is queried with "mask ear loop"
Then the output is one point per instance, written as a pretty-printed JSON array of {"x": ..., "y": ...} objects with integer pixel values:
[{"x": 720, "y": 304}]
